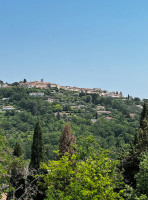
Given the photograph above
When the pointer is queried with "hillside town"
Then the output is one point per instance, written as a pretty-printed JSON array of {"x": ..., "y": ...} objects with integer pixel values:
[{"x": 45, "y": 85}]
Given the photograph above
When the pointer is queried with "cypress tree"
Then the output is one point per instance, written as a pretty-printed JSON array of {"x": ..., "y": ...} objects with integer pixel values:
[
  {"x": 37, "y": 156},
  {"x": 17, "y": 150},
  {"x": 37, "y": 151},
  {"x": 66, "y": 142}
]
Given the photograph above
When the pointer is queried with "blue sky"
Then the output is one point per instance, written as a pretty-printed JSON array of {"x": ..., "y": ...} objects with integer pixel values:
[{"x": 84, "y": 43}]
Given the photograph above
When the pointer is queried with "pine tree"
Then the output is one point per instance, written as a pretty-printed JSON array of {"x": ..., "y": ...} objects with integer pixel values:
[
  {"x": 67, "y": 141},
  {"x": 17, "y": 150},
  {"x": 37, "y": 151}
]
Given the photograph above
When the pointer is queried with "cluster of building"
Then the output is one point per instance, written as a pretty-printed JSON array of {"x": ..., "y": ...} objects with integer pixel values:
[
  {"x": 45, "y": 85},
  {"x": 4, "y": 85},
  {"x": 37, "y": 84},
  {"x": 102, "y": 110}
]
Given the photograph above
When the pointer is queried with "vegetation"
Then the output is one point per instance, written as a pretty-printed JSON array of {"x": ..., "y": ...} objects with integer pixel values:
[
  {"x": 94, "y": 178},
  {"x": 66, "y": 142},
  {"x": 89, "y": 147},
  {"x": 37, "y": 150}
]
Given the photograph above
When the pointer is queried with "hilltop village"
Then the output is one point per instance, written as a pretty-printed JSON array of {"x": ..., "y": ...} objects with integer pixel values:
[{"x": 45, "y": 85}]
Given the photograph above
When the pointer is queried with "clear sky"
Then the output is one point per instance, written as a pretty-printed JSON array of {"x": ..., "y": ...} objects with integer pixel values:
[{"x": 84, "y": 43}]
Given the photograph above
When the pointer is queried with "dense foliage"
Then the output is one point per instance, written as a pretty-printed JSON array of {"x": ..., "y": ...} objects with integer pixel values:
[
  {"x": 94, "y": 178},
  {"x": 82, "y": 111},
  {"x": 81, "y": 126}
]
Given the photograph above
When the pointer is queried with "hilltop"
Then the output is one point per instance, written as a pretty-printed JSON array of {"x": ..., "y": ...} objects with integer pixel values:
[{"x": 46, "y": 85}]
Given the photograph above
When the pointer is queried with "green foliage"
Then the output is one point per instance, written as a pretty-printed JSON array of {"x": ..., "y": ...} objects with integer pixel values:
[
  {"x": 130, "y": 161},
  {"x": 144, "y": 115},
  {"x": 19, "y": 123},
  {"x": 94, "y": 178},
  {"x": 17, "y": 150},
  {"x": 37, "y": 151},
  {"x": 142, "y": 175},
  {"x": 16, "y": 183},
  {"x": 4, "y": 163}
]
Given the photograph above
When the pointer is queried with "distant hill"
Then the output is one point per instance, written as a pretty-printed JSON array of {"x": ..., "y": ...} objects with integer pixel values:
[{"x": 111, "y": 120}]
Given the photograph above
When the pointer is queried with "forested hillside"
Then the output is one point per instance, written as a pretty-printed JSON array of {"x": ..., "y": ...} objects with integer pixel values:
[
  {"x": 112, "y": 121},
  {"x": 57, "y": 144}
]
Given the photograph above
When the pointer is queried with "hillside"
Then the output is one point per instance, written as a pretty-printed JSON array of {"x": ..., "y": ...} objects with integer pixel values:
[{"x": 112, "y": 121}]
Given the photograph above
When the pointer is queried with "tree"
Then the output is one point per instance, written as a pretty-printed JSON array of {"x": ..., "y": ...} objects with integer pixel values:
[
  {"x": 4, "y": 164},
  {"x": 66, "y": 142},
  {"x": 144, "y": 115},
  {"x": 1, "y": 82},
  {"x": 15, "y": 84},
  {"x": 37, "y": 151},
  {"x": 24, "y": 80},
  {"x": 95, "y": 178},
  {"x": 58, "y": 116},
  {"x": 142, "y": 176},
  {"x": 37, "y": 156},
  {"x": 131, "y": 160},
  {"x": 17, "y": 181},
  {"x": 17, "y": 150}
]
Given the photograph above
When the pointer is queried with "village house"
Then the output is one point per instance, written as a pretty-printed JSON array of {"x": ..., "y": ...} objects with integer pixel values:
[
  {"x": 76, "y": 107},
  {"x": 103, "y": 112},
  {"x": 108, "y": 118},
  {"x": 4, "y": 99},
  {"x": 139, "y": 106},
  {"x": 8, "y": 107},
  {"x": 36, "y": 94},
  {"x": 36, "y": 84},
  {"x": 63, "y": 113},
  {"x": 132, "y": 115},
  {"x": 93, "y": 120},
  {"x": 50, "y": 100},
  {"x": 100, "y": 108},
  {"x": 4, "y": 85},
  {"x": 52, "y": 85},
  {"x": 65, "y": 87},
  {"x": 96, "y": 90}
]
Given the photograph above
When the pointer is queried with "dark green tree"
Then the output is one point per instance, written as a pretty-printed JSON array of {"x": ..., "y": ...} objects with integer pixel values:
[
  {"x": 37, "y": 156},
  {"x": 17, "y": 180},
  {"x": 58, "y": 116},
  {"x": 144, "y": 115},
  {"x": 1, "y": 82},
  {"x": 15, "y": 84},
  {"x": 25, "y": 80},
  {"x": 37, "y": 151},
  {"x": 130, "y": 161},
  {"x": 17, "y": 150},
  {"x": 67, "y": 141}
]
